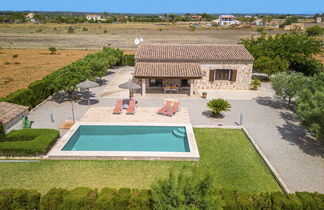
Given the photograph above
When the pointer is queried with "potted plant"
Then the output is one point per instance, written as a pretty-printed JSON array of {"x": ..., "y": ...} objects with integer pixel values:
[
  {"x": 216, "y": 106},
  {"x": 255, "y": 84},
  {"x": 204, "y": 95}
]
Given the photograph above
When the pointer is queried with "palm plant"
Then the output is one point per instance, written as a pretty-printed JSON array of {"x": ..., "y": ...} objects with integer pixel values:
[
  {"x": 255, "y": 84},
  {"x": 216, "y": 106}
]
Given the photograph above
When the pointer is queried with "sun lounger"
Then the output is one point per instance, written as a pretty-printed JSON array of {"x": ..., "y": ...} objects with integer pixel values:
[
  {"x": 173, "y": 110},
  {"x": 118, "y": 107},
  {"x": 132, "y": 107},
  {"x": 165, "y": 108}
]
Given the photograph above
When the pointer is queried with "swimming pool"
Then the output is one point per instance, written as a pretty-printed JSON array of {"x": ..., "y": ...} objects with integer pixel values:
[
  {"x": 128, "y": 138},
  {"x": 127, "y": 141}
]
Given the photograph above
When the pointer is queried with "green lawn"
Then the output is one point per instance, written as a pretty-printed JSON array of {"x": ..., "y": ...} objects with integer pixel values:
[{"x": 228, "y": 153}]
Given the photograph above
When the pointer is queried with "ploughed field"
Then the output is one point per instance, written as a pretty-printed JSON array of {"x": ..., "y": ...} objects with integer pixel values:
[
  {"x": 226, "y": 153},
  {"x": 19, "y": 67},
  {"x": 121, "y": 35}
]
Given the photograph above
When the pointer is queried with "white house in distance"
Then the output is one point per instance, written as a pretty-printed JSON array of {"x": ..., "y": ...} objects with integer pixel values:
[
  {"x": 226, "y": 20},
  {"x": 94, "y": 17}
]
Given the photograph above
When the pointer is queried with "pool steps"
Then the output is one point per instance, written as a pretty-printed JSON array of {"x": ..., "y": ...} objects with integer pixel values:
[{"x": 179, "y": 132}]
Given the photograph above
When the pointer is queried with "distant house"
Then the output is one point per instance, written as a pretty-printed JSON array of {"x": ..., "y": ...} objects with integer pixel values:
[
  {"x": 196, "y": 17},
  {"x": 30, "y": 15},
  {"x": 94, "y": 17},
  {"x": 258, "y": 22},
  {"x": 318, "y": 20},
  {"x": 181, "y": 68},
  {"x": 226, "y": 20}
]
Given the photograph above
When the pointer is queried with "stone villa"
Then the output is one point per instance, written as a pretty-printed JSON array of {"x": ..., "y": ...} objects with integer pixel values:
[{"x": 185, "y": 68}]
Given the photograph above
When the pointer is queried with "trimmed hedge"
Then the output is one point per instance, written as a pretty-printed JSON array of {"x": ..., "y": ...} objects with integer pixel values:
[
  {"x": 69, "y": 75},
  {"x": 2, "y": 132},
  {"x": 124, "y": 198},
  {"x": 28, "y": 142},
  {"x": 128, "y": 60},
  {"x": 19, "y": 199},
  {"x": 22, "y": 97},
  {"x": 41, "y": 90}
]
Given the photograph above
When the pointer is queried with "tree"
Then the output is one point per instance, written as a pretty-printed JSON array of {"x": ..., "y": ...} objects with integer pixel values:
[
  {"x": 269, "y": 65},
  {"x": 294, "y": 48},
  {"x": 217, "y": 106},
  {"x": 314, "y": 31},
  {"x": 290, "y": 20},
  {"x": 180, "y": 191},
  {"x": 52, "y": 50},
  {"x": 310, "y": 106},
  {"x": 288, "y": 86}
]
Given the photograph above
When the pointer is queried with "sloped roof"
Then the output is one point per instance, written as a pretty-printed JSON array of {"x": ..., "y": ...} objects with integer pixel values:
[
  {"x": 167, "y": 70},
  {"x": 9, "y": 111},
  {"x": 197, "y": 53}
]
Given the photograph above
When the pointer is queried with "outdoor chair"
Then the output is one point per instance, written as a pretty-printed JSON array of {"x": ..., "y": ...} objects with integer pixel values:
[
  {"x": 173, "y": 110},
  {"x": 165, "y": 108},
  {"x": 132, "y": 107},
  {"x": 118, "y": 107},
  {"x": 174, "y": 89}
]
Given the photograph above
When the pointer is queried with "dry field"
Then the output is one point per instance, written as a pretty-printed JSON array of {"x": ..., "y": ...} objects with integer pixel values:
[
  {"x": 31, "y": 65},
  {"x": 96, "y": 36}
]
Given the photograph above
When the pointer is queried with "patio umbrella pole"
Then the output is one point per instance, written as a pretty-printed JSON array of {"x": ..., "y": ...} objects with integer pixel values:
[{"x": 88, "y": 97}]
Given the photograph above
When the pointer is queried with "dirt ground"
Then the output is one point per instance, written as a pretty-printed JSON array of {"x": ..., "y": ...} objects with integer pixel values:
[
  {"x": 96, "y": 36},
  {"x": 31, "y": 65}
]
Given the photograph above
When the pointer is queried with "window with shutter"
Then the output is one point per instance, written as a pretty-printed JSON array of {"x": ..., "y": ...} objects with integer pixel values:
[
  {"x": 211, "y": 75},
  {"x": 233, "y": 76}
]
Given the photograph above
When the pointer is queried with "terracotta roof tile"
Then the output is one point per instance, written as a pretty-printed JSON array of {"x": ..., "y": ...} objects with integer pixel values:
[
  {"x": 8, "y": 111},
  {"x": 197, "y": 53},
  {"x": 167, "y": 70}
]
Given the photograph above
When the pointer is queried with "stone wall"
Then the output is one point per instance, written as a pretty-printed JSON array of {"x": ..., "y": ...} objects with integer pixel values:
[{"x": 243, "y": 77}]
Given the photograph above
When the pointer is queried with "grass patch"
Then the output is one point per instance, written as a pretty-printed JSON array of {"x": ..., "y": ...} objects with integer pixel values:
[{"x": 234, "y": 161}]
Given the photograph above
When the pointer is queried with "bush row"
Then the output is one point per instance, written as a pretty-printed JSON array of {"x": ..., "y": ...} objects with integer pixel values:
[
  {"x": 124, "y": 198},
  {"x": 28, "y": 142},
  {"x": 66, "y": 78},
  {"x": 129, "y": 60}
]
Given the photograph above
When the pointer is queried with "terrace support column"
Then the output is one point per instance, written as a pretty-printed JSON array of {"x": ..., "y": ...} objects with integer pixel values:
[
  {"x": 143, "y": 87},
  {"x": 191, "y": 87}
]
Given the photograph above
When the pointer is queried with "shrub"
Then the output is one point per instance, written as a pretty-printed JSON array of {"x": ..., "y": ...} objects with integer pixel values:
[
  {"x": 19, "y": 199},
  {"x": 105, "y": 199},
  {"x": 15, "y": 56},
  {"x": 70, "y": 30},
  {"x": 314, "y": 31},
  {"x": 80, "y": 198},
  {"x": 255, "y": 84},
  {"x": 22, "y": 97},
  {"x": 217, "y": 106},
  {"x": 128, "y": 60},
  {"x": 2, "y": 132},
  {"x": 288, "y": 86},
  {"x": 105, "y": 31},
  {"x": 140, "y": 200},
  {"x": 53, "y": 199},
  {"x": 310, "y": 106},
  {"x": 84, "y": 29},
  {"x": 28, "y": 142},
  {"x": 179, "y": 191},
  {"x": 41, "y": 90},
  {"x": 52, "y": 50}
]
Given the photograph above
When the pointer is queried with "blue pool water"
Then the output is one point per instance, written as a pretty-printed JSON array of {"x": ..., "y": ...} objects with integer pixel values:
[{"x": 128, "y": 138}]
